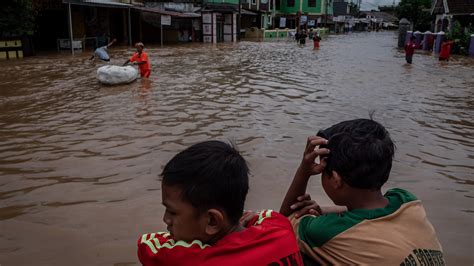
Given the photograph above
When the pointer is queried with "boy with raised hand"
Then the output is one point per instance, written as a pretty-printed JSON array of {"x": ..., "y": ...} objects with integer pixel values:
[
  {"x": 204, "y": 189},
  {"x": 101, "y": 52},
  {"x": 368, "y": 227}
]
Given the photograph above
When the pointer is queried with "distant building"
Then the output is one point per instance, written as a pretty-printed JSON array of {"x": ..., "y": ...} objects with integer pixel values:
[
  {"x": 303, "y": 14},
  {"x": 379, "y": 20},
  {"x": 448, "y": 11}
]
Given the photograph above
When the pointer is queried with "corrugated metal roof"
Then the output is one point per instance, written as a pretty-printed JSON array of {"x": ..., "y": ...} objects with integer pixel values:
[
  {"x": 168, "y": 13},
  {"x": 102, "y": 3}
]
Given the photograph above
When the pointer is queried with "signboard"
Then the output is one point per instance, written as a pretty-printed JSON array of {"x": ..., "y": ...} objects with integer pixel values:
[
  {"x": 303, "y": 20},
  {"x": 165, "y": 20},
  {"x": 206, "y": 18},
  {"x": 311, "y": 23},
  {"x": 282, "y": 22}
]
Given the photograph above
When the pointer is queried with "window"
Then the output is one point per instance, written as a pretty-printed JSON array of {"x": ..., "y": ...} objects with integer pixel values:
[
  {"x": 277, "y": 4},
  {"x": 254, "y": 2},
  {"x": 290, "y": 3},
  {"x": 311, "y": 3}
]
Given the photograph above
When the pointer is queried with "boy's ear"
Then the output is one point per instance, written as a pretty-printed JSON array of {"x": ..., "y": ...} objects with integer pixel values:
[
  {"x": 215, "y": 221},
  {"x": 337, "y": 180}
]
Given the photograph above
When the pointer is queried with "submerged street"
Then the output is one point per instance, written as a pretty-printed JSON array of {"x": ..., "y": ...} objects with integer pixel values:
[{"x": 80, "y": 161}]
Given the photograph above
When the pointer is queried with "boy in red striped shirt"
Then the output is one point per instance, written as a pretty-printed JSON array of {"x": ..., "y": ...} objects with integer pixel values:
[{"x": 204, "y": 189}]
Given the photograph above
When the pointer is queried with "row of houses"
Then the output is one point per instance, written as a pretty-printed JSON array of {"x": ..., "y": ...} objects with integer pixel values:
[{"x": 92, "y": 22}]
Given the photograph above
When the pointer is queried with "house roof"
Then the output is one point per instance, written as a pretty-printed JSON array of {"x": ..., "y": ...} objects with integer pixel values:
[
  {"x": 381, "y": 15},
  {"x": 168, "y": 13},
  {"x": 247, "y": 12},
  {"x": 453, "y": 7},
  {"x": 224, "y": 8},
  {"x": 98, "y": 3}
]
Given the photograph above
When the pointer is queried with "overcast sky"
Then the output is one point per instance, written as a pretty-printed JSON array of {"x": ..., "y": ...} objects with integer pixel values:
[{"x": 373, "y": 4}]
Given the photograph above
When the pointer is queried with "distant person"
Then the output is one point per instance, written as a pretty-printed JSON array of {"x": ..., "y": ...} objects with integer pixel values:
[
  {"x": 140, "y": 58},
  {"x": 410, "y": 49},
  {"x": 316, "y": 40},
  {"x": 446, "y": 50},
  {"x": 303, "y": 38},
  {"x": 366, "y": 227},
  {"x": 297, "y": 37},
  {"x": 101, "y": 52},
  {"x": 203, "y": 189}
]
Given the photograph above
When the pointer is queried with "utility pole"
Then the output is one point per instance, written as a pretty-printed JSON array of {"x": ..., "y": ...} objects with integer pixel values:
[{"x": 239, "y": 21}]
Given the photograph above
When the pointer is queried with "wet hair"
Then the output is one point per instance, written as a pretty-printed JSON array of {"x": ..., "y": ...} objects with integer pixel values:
[
  {"x": 361, "y": 152},
  {"x": 211, "y": 174}
]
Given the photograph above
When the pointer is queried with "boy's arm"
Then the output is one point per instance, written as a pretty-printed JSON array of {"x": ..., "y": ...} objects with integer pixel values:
[
  {"x": 112, "y": 42},
  {"x": 307, "y": 168},
  {"x": 306, "y": 205}
]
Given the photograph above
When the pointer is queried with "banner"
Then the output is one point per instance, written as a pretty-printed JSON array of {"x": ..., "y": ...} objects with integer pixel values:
[
  {"x": 282, "y": 22},
  {"x": 303, "y": 20},
  {"x": 165, "y": 20}
]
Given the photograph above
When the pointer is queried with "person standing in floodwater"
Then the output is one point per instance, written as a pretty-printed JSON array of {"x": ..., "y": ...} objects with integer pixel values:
[
  {"x": 101, "y": 52},
  {"x": 410, "y": 49},
  {"x": 316, "y": 40},
  {"x": 140, "y": 58},
  {"x": 303, "y": 37},
  {"x": 446, "y": 50}
]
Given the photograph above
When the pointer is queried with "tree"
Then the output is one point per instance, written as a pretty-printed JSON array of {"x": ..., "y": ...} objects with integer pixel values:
[
  {"x": 416, "y": 11},
  {"x": 16, "y": 18},
  {"x": 353, "y": 9}
]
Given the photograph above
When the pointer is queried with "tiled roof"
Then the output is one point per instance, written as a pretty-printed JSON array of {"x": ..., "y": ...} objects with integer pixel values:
[{"x": 461, "y": 6}]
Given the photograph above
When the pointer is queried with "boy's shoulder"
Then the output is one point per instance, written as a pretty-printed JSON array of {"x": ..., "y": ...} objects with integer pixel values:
[
  {"x": 317, "y": 230},
  {"x": 268, "y": 237},
  {"x": 396, "y": 231}
]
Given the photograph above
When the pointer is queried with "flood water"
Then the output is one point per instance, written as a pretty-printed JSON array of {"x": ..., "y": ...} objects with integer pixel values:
[{"x": 79, "y": 162}]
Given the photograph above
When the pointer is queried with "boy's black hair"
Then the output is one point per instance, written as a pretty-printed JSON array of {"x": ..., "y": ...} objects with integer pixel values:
[
  {"x": 361, "y": 152},
  {"x": 211, "y": 174}
]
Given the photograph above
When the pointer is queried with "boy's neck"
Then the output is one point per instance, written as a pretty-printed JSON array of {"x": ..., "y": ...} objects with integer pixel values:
[
  {"x": 229, "y": 230},
  {"x": 366, "y": 199}
]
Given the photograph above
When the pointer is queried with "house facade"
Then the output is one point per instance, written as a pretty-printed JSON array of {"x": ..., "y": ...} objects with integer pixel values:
[
  {"x": 446, "y": 12},
  {"x": 303, "y": 14}
]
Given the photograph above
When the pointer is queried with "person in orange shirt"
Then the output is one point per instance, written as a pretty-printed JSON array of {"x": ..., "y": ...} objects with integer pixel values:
[
  {"x": 446, "y": 50},
  {"x": 140, "y": 58}
]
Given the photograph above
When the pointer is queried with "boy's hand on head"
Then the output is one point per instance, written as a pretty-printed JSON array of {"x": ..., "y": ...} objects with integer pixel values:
[
  {"x": 308, "y": 165},
  {"x": 305, "y": 206}
]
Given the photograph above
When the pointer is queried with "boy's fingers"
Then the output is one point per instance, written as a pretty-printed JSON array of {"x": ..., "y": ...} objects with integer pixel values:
[
  {"x": 319, "y": 168},
  {"x": 302, "y": 203},
  {"x": 313, "y": 141},
  {"x": 318, "y": 141},
  {"x": 306, "y": 210},
  {"x": 322, "y": 151}
]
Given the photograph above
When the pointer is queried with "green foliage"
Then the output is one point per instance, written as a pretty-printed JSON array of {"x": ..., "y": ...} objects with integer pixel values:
[
  {"x": 16, "y": 18},
  {"x": 461, "y": 37},
  {"x": 416, "y": 11},
  {"x": 353, "y": 9}
]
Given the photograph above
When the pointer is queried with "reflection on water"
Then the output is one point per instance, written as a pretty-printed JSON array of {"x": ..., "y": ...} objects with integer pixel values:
[{"x": 79, "y": 162}]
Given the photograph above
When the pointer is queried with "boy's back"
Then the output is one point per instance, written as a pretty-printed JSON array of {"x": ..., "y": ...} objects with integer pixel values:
[
  {"x": 268, "y": 240},
  {"x": 397, "y": 234}
]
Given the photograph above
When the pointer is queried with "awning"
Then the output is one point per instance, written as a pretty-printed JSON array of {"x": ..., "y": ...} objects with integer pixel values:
[
  {"x": 168, "y": 13},
  {"x": 97, "y": 3},
  {"x": 248, "y": 13}
]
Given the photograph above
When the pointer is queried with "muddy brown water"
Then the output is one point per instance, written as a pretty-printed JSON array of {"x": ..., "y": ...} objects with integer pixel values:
[{"x": 79, "y": 162}]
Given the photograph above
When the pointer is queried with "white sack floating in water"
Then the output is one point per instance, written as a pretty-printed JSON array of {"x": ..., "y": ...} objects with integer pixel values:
[{"x": 113, "y": 75}]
